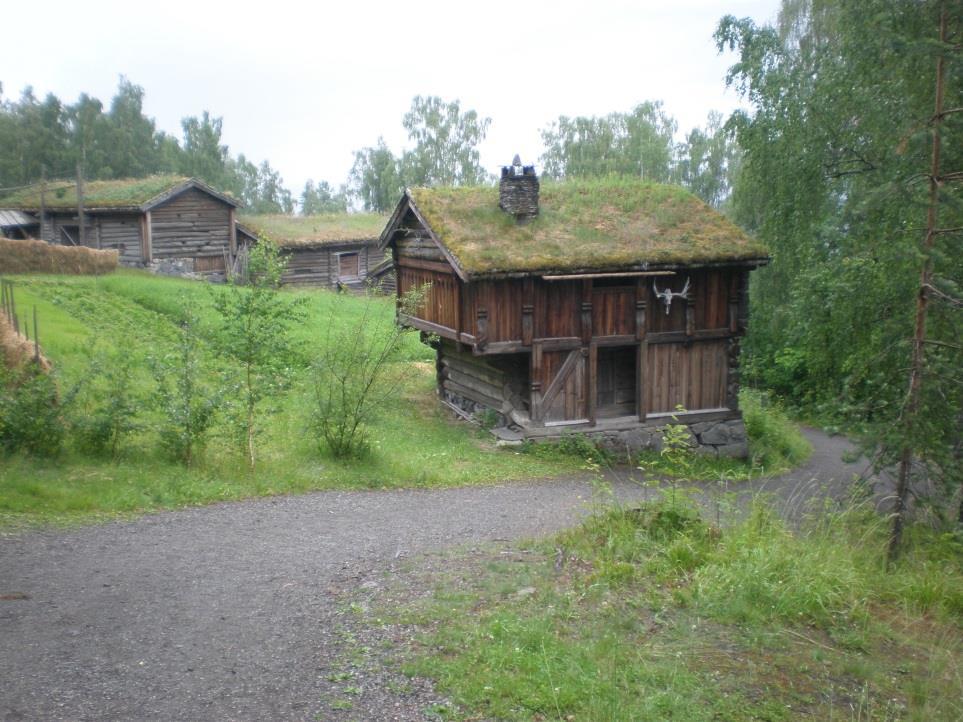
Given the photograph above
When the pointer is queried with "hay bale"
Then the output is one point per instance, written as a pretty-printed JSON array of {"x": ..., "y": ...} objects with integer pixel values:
[
  {"x": 42, "y": 257},
  {"x": 15, "y": 349}
]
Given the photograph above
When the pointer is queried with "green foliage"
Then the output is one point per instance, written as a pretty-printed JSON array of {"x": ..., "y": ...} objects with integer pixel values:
[
  {"x": 650, "y": 613},
  {"x": 834, "y": 148},
  {"x": 48, "y": 138},
  {"x": 775, "y": 443},
  {"x": 31, "y": 413},
  {"x": 107, "y": 405},
  {"x": 186, "y": 398},
  {"x": 320, "y": 197},
  {"x": 354, "y": 375},
  {"x": 254, "y": 331},
  {"x": 445, "y": 154},
  {"x": 639, "y": 144},
  {"x": 446, "y": 144},
  {"x": 375, "y": 178},
  {"x": 140, "y": 315}
]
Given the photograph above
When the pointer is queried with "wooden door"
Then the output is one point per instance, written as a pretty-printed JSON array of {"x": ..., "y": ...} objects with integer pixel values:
[{"x": 564, "y": 386}]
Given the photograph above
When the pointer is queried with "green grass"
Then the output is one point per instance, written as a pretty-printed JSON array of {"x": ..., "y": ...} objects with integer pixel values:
[
  {"x": 121, "y": 193},
  {"x": 655, "y": 615},
  {"x": 607, "y": 223},
  {"x": 291, "y": 231},
  {"x": 775, "y": 446},
  {"x": 86, "y": 319}
]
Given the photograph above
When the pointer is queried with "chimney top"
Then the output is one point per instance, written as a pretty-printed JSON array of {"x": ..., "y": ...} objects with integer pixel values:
[{"x": 518, "y": 190}]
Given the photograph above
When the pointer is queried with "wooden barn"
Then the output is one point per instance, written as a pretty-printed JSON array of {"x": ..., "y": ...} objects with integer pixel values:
[
  {"x": 167, "y": 223},
  {"x": 336, "y": 250},
  {"x": 596, "y": 306}
]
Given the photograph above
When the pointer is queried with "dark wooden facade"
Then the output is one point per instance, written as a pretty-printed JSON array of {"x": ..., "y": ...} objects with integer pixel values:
[
  {"x": 190, "y": 225},
  {"x": 581, "y": 350},
  {"x": 342, "y": 264}
]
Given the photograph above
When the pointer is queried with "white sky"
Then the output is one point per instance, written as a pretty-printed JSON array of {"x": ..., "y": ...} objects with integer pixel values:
[{"x": 304, "y": 85}]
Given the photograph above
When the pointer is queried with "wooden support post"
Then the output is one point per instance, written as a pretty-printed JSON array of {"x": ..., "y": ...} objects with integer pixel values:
[
  {"x": 586, "y": 321},
  {"x": 528, "y": 325},
  {"x": 482, "y": 337},
  {"x": 734, "y": 302},
  {"x": 535, "y": 384},
  {"x": 642, "y": 354},
  {"x": 146, "y": 239},
  {"x": 528, "y": 311},
  {"x": 690, "y": 306},
  {"x": 232, "y": 237},
  {"x": 593, "y": 370}
]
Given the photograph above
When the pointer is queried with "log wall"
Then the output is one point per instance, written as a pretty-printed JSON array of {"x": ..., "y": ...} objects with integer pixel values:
[
  {"x": 499, "y": 383},
  {"x": 190, "y": 225},
  {"x": 318, "y": 265}
]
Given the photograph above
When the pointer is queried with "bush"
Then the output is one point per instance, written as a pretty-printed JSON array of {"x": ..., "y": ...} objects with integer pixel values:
[
  {"x": 774, "y": 440},
  {"x": 353, "y": 376},
  {"x": 186, "y": 399},
  {"x": 107, "y": 407},
  {"x": 31, "y": 417}
]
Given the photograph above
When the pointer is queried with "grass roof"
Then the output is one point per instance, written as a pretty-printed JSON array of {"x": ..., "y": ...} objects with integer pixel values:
[
  {"x": 121, "y": 193},
  {"x": 601, "y": 225},
  {"x": 322, "y": 229}
]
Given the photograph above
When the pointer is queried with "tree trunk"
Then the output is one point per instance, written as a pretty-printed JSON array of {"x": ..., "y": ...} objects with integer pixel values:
[{"x": 917, "y": 364}]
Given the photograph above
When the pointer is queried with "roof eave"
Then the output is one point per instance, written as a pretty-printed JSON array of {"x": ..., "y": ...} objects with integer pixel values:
[
  {"x": 751, "y": 262},
  {"x": 176, "y": 190}
]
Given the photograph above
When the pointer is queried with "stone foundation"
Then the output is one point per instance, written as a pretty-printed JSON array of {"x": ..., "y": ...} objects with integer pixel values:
[{"x": 718, "y": 437}]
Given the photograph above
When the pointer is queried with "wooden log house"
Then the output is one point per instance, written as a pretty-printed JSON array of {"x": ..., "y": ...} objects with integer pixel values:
[
  {"x": 160, "y": 222},
  {"x": 597, "y": 306},
  {"x": 335, "y": 250}
]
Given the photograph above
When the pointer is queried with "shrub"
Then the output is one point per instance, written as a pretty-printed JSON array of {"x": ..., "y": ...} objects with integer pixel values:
[
  {"x": 107, "y": 407},
  {"x": 353, "y": 376},
  {"x": 774, "y": 440},
  {"x": 186, "y": 399},
  {"x": 31, "y": 417}
]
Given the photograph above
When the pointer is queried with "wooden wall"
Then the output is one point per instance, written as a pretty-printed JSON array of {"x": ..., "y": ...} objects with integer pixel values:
[
  {"x": 682, "y": 353},
  {"x": 318, "y": 265},
  {"x": 115, "y": 231},
  {"x": 497, "y": 382},
  {"x": 190, "y": 225}
]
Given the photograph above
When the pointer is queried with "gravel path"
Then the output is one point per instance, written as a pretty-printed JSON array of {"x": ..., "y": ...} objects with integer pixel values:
[{"x": 231, "y": 611}]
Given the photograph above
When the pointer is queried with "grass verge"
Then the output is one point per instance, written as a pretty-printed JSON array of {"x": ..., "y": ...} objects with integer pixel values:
[
  {"x": 85, "y": 320},
  {"x": 651, "y": 614}
]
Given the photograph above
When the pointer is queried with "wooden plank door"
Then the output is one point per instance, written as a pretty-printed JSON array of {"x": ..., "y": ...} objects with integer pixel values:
[{"x": 563, "y": 377}]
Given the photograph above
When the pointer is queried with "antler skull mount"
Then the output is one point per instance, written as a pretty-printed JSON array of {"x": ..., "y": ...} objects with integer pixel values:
[{"x": 668, "y": 294}]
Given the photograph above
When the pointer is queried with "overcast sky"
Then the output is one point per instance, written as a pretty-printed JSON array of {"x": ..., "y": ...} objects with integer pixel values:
[{"x": 306, "y": 84}]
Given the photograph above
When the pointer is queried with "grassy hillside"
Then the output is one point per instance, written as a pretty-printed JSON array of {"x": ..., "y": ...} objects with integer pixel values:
[{"x": 88, "y": 322}]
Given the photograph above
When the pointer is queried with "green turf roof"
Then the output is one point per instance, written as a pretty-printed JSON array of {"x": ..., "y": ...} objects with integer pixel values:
[
  {"x": 596, "y": 225},
  {"x": 322, "y": 229},
  {"x": 121, "y": 193}
]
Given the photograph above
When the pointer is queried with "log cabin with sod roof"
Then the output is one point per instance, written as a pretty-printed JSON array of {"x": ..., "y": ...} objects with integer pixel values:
[
  {"x": 167, "y": 223},
  {"x": 334, "y": 250},
  {"x": 597, "y": 307}
]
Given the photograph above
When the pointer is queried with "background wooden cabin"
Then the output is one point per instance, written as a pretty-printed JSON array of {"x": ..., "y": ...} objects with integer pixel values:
[
  {"x": 334, "y": 250},
  {"x": 147, "y": 221}
]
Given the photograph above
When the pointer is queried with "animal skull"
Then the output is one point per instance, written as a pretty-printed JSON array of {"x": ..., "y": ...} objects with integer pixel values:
[{"x": 668, "y": 294}]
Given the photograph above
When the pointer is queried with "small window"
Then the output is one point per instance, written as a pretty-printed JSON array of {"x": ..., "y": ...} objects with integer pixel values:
[{"x": 348, "y": 265}]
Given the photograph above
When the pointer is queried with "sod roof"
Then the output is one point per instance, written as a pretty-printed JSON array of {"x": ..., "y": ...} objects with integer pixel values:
[
  {"x": 318, "y": 230},
  {"x": 595, "y": 225},
  {"x": 120, "y": 194}
]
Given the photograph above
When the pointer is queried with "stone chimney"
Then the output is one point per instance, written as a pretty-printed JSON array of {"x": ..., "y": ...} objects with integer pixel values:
[{"x": 518, "y": 191}]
